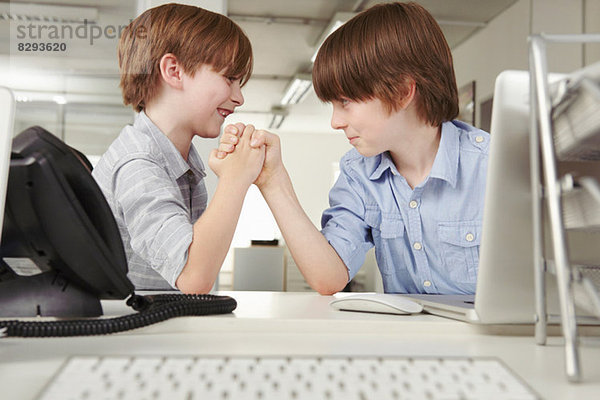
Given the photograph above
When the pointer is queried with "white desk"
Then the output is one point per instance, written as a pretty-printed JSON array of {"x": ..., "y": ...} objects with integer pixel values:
[{"x": 284, "y": 323}]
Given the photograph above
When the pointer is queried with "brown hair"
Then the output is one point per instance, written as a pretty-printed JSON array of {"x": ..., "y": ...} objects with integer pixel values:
[
  {"x": 378, "y": 52},
  {"x": 194, "y": 35}
]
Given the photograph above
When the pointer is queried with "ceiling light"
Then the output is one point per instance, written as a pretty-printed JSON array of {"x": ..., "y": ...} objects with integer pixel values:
[
  {"x": 59, "y": 99},
  {"x": 279, "y": 114},
  {"x": 297, "y": 89},
  {"x": 338, "y": 20}
]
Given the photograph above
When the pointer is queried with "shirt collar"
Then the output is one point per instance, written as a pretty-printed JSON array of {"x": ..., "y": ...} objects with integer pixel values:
[
  {"x": 195, "y": 162},
  {"x": 173, "y": 158},
  {"x": 377, "y": 165},
  {"x": 445, "y": 165}
]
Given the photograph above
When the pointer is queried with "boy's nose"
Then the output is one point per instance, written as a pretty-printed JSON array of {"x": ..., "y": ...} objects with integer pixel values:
[
  {"x": 336, "y": 120},
  {"x": 236, "y": 95}
]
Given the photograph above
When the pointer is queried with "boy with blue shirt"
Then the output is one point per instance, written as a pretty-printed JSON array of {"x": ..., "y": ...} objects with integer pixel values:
[
  {"x": 182, "y": 68},
  {"x": 413, "y": 186}
]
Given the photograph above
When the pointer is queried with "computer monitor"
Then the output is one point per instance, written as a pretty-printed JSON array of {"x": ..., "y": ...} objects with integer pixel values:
[{"x": 61, "y": 249}]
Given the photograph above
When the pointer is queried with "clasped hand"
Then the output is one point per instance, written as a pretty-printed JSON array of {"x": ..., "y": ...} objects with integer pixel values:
[
  {"x": 242, "y": 167},
  {"x": 233, "y": 139}
]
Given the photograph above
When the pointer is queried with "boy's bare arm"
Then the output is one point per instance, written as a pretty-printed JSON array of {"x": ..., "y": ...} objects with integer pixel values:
[
  {"x": 213, "y": 232},
  {"x": 320, "y": 264}
]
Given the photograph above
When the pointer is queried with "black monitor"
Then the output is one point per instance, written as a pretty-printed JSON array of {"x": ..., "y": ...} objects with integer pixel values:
[{"x": 61, "y": 249}]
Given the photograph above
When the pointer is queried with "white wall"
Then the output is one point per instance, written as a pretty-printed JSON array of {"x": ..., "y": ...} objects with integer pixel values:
[
  {"x": 592, "y": 24},
  {"x": 560, "y": 16},
  {"x": 308, "y": 158},
  {"x": 499, "y": 46},
  {"x": 502, "y": 44}
]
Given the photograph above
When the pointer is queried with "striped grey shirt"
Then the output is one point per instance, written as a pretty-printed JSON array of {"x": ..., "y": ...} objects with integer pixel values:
[{"x": 155, "y": 196}]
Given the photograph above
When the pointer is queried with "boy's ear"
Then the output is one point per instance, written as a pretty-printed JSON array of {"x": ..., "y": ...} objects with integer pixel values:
[
  {"x": 409, "y": 90},
  {"x": 171, "y": 71}
]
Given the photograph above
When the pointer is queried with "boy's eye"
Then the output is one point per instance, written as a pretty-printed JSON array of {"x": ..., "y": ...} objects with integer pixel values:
[{"x": 341, "y": 102}]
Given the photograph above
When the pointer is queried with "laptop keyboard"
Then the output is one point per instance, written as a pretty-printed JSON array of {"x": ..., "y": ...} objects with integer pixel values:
[{"x": 298, "y": 377}]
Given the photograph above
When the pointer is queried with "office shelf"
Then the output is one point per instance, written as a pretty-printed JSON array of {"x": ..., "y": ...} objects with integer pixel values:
[
  {"x": 581, "y": 203},
  {"x": 565, "y": 126},
  {"x": 586, "y": 284},
  {"x": 576, "y": 116}
]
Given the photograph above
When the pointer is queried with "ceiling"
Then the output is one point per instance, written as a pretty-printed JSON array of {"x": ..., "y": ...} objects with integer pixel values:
[{"x": 284, "y": 36}]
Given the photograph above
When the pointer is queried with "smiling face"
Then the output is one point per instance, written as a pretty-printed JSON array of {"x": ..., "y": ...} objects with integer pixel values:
[
  {"x": 209, "y": 97},
  {"x": 368, "y": 125}
]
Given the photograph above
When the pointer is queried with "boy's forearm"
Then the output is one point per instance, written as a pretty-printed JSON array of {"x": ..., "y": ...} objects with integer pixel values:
[
  {"x": 320, "y": 264},
  {"x": 212, "y": 236}
]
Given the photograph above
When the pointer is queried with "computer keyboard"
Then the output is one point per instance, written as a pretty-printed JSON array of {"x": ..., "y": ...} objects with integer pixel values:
[{"x": 297, "y": 377}]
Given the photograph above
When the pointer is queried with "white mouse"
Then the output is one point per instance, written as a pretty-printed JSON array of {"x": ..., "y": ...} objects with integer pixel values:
[{"x": 377, "y": 303}]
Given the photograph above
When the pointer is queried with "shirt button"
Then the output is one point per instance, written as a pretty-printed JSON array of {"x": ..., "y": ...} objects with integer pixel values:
[
  {"x": 426, "y": 283},
  {"x": 469, "y": 237},
  {"x": 417, "y": 246},
  {"x": 479, "y": 139},
  {"x": 413, "y": 204}
]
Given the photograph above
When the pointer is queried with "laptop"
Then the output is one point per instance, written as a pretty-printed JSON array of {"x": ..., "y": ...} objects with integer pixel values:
[
  {"x": 505, "y": 286},
  {"x": 7, "y": 112}
]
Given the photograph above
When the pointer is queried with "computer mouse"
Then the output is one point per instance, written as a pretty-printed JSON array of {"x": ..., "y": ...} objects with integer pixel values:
[{"x": 377, "y": 303}]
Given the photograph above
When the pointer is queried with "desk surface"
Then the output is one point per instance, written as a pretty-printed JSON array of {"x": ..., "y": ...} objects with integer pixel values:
[{"x": 278, "y": 323}]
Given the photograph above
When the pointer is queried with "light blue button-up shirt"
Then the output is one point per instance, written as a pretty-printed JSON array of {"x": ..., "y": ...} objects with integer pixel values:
[{"x": 427, "y": 239}]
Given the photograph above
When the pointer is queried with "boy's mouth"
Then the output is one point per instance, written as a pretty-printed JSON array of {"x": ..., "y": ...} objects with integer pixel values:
[{"x": 224, "y": 112}]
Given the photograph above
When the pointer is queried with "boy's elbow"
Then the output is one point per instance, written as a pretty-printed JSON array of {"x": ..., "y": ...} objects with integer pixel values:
[
  {"x": 327, "y": 291},
  {"x": 193, "y": 286},
  {"x": 197, "y": 290},
  {"x": 333, "y": 283},
  {"x": 327, "y": 288}
]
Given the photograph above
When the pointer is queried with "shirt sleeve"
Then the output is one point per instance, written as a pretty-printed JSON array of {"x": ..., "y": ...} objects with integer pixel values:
[
  {"x": 343, "y": 223},
  {"x": 157, "y": 221}
]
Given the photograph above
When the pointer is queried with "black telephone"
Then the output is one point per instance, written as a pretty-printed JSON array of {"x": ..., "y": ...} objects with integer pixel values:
[{"x": 61, "y": 251}]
